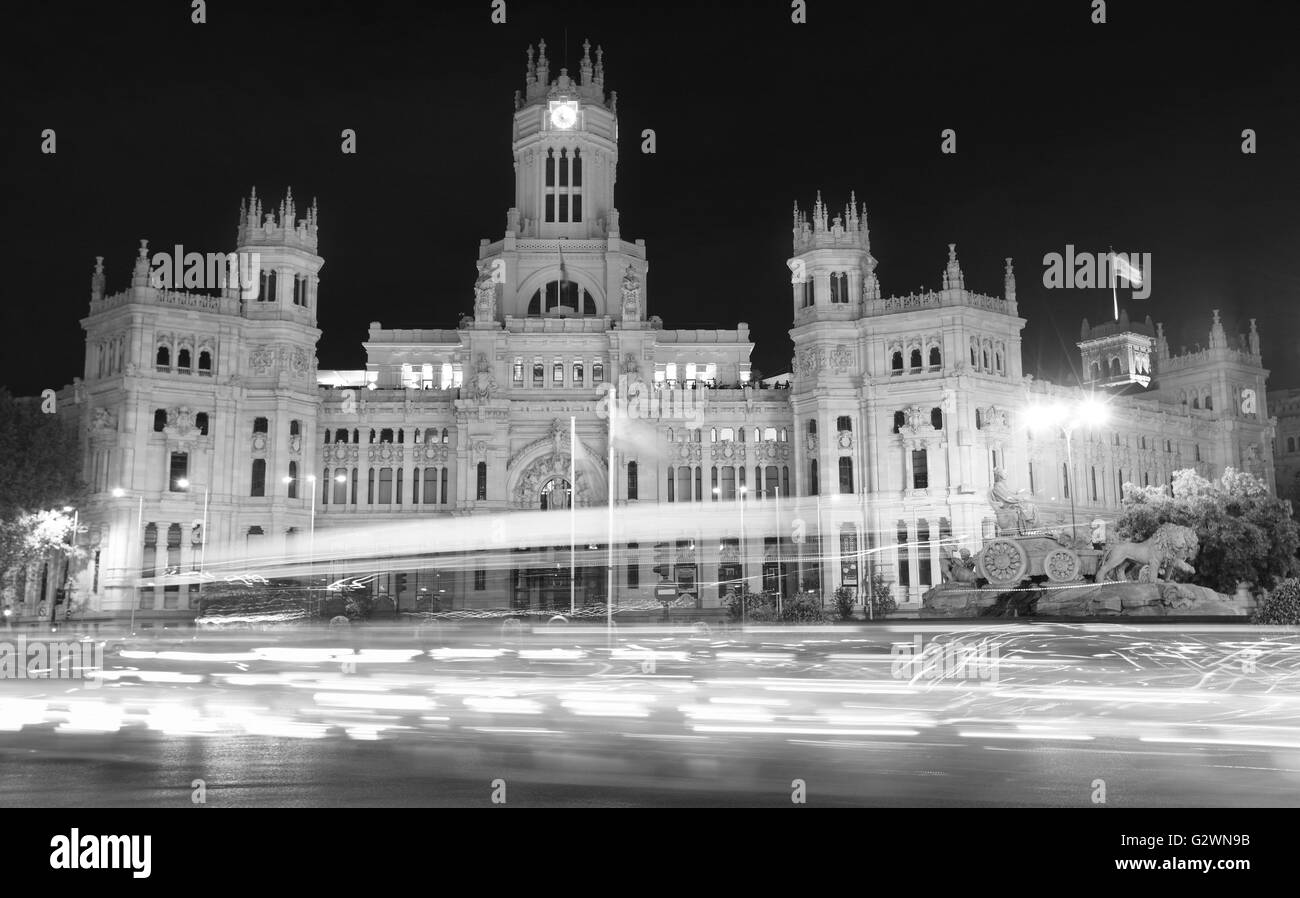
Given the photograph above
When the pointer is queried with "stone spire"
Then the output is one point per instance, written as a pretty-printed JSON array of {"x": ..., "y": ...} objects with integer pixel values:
[
  {"x": 1218, "y": 338},
  {"x": 1254, "y": 339},
  {"x": 819, "y": 215},
  {"x": 584, "y": 69},
  {"x": 1009, "y": 283},
  {"x": 1162, "y": 345},
  {"x": 97, "y": 280},
  {"x": 953, "y": 279},
  {"x": 543, "y": 64},
  {"x": 530, "y": 70},
  {"x": 140, "y": 275}
]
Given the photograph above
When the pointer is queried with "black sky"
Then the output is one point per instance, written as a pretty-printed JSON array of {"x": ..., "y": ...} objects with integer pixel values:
[{"x": 1126, "y": 133}]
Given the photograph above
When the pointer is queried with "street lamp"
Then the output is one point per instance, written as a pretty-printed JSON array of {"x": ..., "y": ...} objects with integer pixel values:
[
  {"x": 1090, "y": 412},
  {"x": 311, "y": 544},
  {"x": 67, "y": 597}
]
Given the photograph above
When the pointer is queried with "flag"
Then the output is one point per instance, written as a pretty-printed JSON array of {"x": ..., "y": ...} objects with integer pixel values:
[{"x": 1123, "y": 268}]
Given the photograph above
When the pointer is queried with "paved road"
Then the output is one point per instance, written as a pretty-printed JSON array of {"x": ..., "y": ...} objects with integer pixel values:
[{"x": 1036, "y": 716}]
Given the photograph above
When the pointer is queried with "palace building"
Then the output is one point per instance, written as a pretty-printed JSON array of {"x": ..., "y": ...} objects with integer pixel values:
[{"x": 875, "y": 453}]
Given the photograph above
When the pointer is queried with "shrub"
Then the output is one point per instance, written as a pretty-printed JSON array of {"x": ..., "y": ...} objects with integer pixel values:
[
  {"x": 844, "y": 603},
  {"x": 882, "y": 600},
  {"x": 1280, "y": 605}
]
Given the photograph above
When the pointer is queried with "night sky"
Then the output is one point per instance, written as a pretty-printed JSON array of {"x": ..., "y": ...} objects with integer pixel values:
[{"x": 1127, "y": 133}]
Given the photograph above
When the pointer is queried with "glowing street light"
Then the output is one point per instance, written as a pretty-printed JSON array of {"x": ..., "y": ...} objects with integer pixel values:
[{"x": 1090, "y": 412}]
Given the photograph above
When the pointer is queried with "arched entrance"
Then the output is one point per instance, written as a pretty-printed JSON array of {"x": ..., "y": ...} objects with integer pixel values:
[{"x": 555, "y": 495}]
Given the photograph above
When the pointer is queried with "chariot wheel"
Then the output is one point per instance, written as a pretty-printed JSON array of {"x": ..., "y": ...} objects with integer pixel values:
[
  {"x": 1062, "y": 565},
  {"x": 1003, "y": 562}
]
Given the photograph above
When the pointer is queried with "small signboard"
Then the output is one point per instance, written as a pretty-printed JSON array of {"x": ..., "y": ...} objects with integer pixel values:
[{"x": 666, "y": 592}]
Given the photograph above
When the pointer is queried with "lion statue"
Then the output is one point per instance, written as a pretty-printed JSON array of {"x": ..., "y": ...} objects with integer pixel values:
[{"x": 1169, "y": 549}]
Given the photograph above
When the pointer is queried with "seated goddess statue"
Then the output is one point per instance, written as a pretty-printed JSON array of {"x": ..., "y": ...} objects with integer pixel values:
[{"x": 1006, "y": 503}]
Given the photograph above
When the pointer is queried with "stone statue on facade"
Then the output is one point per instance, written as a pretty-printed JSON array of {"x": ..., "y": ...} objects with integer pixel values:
[{"x": 484, "y": 383}]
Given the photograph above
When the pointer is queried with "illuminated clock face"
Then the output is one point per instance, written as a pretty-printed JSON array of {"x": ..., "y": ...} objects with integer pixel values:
[{"x": 563, "y": 116}]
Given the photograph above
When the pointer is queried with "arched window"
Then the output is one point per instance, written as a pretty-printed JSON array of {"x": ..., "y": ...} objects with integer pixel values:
[
  {"x": 1096, "y": 371},
  {"x": 341, "y": 435},
  {"x": 997, "y": 361},
  {"x": 812, "y": 428},
  {"x": 844, "y": 423},
  {"x": 1114, "y": 368},
  {"x": 205, "y": 361},
  {"x": 631, "y": 480},
  {"x": 936, "y": 418},
  {"x": 728, "y": 434},
  {"x": 259, "y": 425},
  {"x": 259, "y": 477},
  {"x": 769, "y": 433},
  {"x": 164, "y": 358},
  {"x": 979, "y": 419},
  {"x": 482, "y": 480},
  {"x": 846, "y": 474},
  {"x": 899, "y": 420},
  {"x": 896, "y": 362},
  {"x": 1209, "y": 401},
  {"x": 974, "y": 361},
  {"x": 386, "y": 435},
  {"x": 839, "y": 287},
  {"x": 813, "y": 485},
  {"x": 295, "y": 428},
  {"x": 916, "y": 359},
  {"x": 444, "y": 435},
  {"x": 183, "y": 359},
  {"x": 1196, "y": 402},
  {"x": 267, "y": 292},
  {"x": 561, "y": 298},
  {"x": 713, "y": 434},
  {"x": 442, "y": 486},
  {"x": 293, "y": 479},
  {"x": 784, "y": 436},
  {"x": 986, "y": 359},
  {"x": 936, "y": 357},
  {"x": 159, "y": 420}
]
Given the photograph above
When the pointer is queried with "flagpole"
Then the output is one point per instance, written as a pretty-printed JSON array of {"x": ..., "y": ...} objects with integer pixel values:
[
  {"x": 1114, "y": 292},
  {"x": 573, "y": 503},
  {"x": 609, "y": 584}
]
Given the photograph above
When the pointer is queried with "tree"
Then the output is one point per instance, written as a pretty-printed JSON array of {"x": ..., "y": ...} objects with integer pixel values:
[
  {"x": 41, "y": 472},
  {"x": 882, "y": 599},
  {"x": 1245, "y": 533}
]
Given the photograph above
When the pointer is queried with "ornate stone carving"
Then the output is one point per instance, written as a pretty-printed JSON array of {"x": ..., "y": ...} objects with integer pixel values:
[
  {"x": 631, "y": 293},
  {"x": 485, "y": 292},
  {"x": 295, "y": 444},
  {"x": 631, "y": 367},
  {"x": 846, "y": 439},
  {"x": 811, "y": 442},
  {"x": 485, "y": 384},
  {"x": 841, "y": 358},
  {"x": 102, "y": 420}
]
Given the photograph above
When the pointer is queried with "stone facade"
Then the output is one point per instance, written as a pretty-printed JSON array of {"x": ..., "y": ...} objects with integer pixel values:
[{"x": 876, "y": 452}]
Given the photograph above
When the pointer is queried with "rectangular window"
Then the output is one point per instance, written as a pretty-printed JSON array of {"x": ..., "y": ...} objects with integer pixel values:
[
  {"x": 598, "y": 371},
  {"x": 517, "y": 375},
  {"x": 923, "y": 537},
  {"x": 631, "y": 480},
  {"x": 846, "y": 475},
  {"x": 728, "y": 484},
  {"x": 683, "y": 484},
  {"x": 577, "y": 374},
  {"x": 442, "y": 486},
  {"x": 539, "y": 373},
  {"x": 430, "y": 486},
  {"x": 557, "y": 374},
  {"x": 340, "y": 486},
  {"x": 920, "y": 469},
  {"x": 904, "y": 558},
  {"x": 482, "y": 480},
  {"x": 633, "y": 567},
  {"x": 180, "y": 470},
  {"x": 385, "y": 486}
]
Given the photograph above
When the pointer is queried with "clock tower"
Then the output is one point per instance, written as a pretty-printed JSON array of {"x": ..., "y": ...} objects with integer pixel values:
[{"x": 562, "y": 254}]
